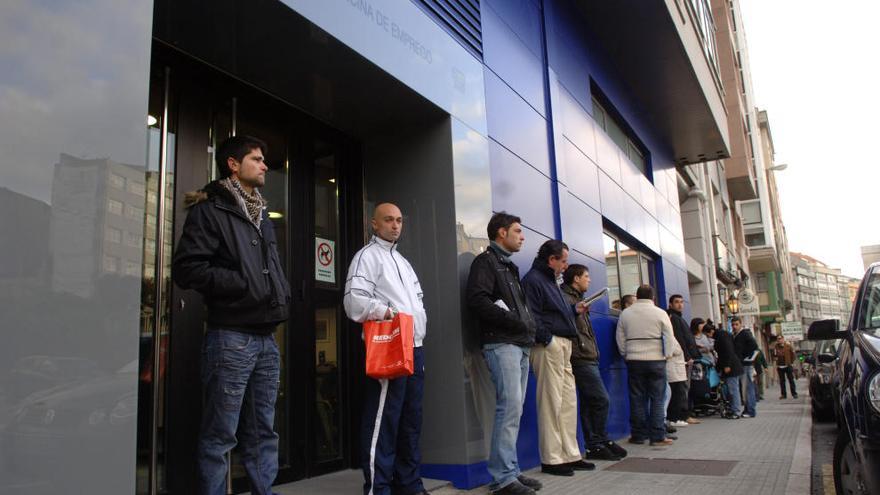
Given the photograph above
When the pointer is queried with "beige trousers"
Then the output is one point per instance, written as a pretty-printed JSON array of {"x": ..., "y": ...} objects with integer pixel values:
[{"x": 557, "y": 402}]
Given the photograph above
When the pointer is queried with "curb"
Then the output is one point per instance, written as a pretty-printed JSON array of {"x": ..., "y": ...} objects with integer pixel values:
[{"x": 799, "y": 475}]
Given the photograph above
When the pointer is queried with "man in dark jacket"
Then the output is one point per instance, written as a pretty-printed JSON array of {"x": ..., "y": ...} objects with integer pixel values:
[
  {"x": 585, "y": 366},
  {"x": 746, "y": 348},
  {"x": 507, "y": 333},
  {"x": 227, "y": 252},
  {"x": 685, "y": 339},
  {"x": 551, "y": 361},
  {"x": 731, "y": 368}
]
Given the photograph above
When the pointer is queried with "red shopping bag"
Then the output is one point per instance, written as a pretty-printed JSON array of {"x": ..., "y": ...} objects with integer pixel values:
[{"x": 389, "y": 347}]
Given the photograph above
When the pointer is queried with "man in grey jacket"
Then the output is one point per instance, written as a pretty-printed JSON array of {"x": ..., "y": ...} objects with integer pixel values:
[
  {"x": 585, "y": 366},
  {"x": 643, "y": 334},
  {"x": 381, "y": 283}
]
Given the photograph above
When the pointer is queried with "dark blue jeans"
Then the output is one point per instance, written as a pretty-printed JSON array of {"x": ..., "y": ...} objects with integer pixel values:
[
  {"x": 240, "y": 375},
  {"x": 509, "y": 366},
  {"x": 647, "y": 384},
  {"x": 593, "y": 403},
  {"x": 390, "y": 431}
]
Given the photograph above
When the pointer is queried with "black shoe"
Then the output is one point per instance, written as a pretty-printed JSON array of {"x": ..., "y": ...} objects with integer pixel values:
[
  {"x": 601, "y": 453},
  {"x": 794, "y": 396},
  {"x": 581, "y": 465},
  {"x": 530, "y": 482},
  {"x": 671, "y": 429},
  {"x": 514, "y": 488},
  {"x": 637, "y": 441},
  {"x": 616, "y": 449},
  {"x": 557, "y": 469}
]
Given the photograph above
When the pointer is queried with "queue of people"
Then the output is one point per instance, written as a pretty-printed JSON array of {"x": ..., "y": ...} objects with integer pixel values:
[{"x": 541, "y": 321}]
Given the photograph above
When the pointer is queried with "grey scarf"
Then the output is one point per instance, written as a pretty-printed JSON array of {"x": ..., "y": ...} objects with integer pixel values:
[{"x": 251, "y": 204}]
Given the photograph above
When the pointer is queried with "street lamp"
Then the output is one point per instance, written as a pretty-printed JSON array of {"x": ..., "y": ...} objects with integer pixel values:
[
  {"x": 778, "y": 168},
  {"x": 733, "y": 304}
]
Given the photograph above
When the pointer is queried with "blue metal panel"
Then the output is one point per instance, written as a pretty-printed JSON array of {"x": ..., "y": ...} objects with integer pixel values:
[
  {"x": 577, "y": 124},
  {"x": 580, "y": 174},
  {"x": 581, "y": 226},
  {"x": 520, "y": 190},
  {"x": 611, "y": 196},
  {"x": 512, "y": 60},
  {"x": 523, "y": 17},
  {"x": 615, "y": 380},
  {"x": 630, "y": 178},
  {"x": 515, "y": 124}
]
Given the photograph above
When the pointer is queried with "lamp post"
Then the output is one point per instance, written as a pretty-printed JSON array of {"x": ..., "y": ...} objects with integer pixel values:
[{"x": 732, "y": 308}]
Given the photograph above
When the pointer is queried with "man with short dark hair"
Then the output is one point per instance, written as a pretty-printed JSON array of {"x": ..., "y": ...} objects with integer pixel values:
[
  {"x": 227, "y": 253},
  {"x": 507, "y": 333},
  {"x": 746, "y": 348},
  {"x": 585, "y": 366},
  {"x": 730, "y": 365},
  {"x": 642, "y": 333},
  {"x": 551, "y": 361},
  {"x": 626, "y": 301},
  {"x": 688, "y": 345},
  {"x": 784, "y": 356}
]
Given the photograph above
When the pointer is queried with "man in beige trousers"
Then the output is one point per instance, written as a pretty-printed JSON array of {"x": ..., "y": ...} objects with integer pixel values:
[{"x": 551, "y": 361}]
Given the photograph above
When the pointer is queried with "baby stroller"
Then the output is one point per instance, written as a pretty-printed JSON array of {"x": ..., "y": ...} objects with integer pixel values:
[{"x": 707, "y": 390}]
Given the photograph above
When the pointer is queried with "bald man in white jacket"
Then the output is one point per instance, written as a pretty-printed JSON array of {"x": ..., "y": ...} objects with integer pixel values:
[{"x": 381, "y": 283}]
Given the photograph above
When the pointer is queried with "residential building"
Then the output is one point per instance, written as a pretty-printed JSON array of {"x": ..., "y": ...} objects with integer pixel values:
[
  {"x": 822, "y": 292},
  {"x": 549, "y": 109}
]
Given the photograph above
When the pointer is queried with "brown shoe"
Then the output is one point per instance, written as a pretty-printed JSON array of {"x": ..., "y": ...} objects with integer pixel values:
[
  {"x": 663, "y": 443},
  {"x": 693, "y": 421}
]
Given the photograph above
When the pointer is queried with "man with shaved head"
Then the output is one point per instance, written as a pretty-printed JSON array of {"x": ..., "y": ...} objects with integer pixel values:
[{"x": 380, "y": 284}]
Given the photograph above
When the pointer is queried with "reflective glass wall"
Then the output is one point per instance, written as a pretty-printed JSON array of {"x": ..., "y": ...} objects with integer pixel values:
[{"x": 76, "y": 198}]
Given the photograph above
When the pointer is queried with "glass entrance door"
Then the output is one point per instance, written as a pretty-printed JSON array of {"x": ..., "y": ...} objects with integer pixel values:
[{"x": 311, "y": 187}]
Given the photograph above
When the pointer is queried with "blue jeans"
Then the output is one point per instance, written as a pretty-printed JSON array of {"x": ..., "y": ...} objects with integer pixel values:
[
  {"x": 647, "y": 383},
  {"x": 509, "y": 366},
  {"x": 751, "y": 391},
  {"x": 240, "y": 377},
  {"x": 733, "y": 394},
  {"x": 594, "y": 403}
]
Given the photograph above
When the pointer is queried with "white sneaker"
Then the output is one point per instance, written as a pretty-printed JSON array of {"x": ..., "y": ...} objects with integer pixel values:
[
  {"x": 747, "y": 415},
  {"x": 679, "y": 424}
]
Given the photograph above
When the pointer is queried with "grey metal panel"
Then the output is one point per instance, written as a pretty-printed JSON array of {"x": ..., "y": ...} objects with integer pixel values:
[{"x": 73, "y": 96}]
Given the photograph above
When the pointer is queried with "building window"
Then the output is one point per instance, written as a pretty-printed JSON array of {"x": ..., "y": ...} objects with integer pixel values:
[
  {"x": 117, "y": 181},
  {"x": 626, "y": 268},
  {"x": 136, "y": 188},
  {"x": 134, "y": 212},
  {"x": 761, "y": 282},
  {"x": 754, "y": 240},
  {"x": 113, "y": 235},
  {"x": 616, "y": 131},
  {"x": 111, "y": 264},
  {"x": 114, "y": 207}
]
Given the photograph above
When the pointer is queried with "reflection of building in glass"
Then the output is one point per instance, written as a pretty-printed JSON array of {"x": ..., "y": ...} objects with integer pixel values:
[
  {"x": 467, "y": 243},
  {"x": 25, "y": 245},
  {"x": 870, "y": 254},
  {"x": 98, "y": 222}
]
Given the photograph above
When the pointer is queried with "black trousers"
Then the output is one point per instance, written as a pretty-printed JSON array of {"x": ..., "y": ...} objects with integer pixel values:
[
  {"x": 678, "y": 404},
  {"x": 784, "y": 373}
]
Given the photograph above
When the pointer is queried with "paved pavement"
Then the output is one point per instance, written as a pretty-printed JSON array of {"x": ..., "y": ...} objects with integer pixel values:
[{"x": 771, "y": 453}]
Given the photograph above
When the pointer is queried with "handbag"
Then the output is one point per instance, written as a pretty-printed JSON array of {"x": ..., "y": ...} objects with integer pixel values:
[{"x": 389, "y": 345}]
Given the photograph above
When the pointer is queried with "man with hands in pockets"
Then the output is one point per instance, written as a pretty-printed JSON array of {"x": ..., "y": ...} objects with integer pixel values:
[{"x": 381, "y": 283}]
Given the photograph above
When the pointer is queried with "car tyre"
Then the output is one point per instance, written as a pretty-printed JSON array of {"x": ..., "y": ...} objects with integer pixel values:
[{"x": 847, "y": 467}]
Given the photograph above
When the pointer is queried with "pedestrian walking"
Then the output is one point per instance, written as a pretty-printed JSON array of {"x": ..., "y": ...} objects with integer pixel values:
[
  {"x": 507, "y": 333},
  {"x": 227, "y": 253},
  {"x": 730, "y": 364},
  {"x": 551, "y": 361},
  {"x": 642, "y": 331},
  {"x": 591, "y": 390},
  {"x": 746, "y": 349},
  {"x": 783, "y": 354},
  {"x": 380, "y": 284}
]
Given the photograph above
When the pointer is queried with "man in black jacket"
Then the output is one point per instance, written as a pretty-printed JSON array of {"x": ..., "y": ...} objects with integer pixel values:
[
  {"x": 227, "y": 252},
  {"x": 507, "y": 333},
  {"x": 685, "y": 339},
  {"x": 731, "y": 368},
  {"x": 746, "y": 348},
  {"x": 551, "y": 361}
]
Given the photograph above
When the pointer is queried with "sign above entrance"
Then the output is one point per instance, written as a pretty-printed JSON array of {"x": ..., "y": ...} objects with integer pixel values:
[
  {"x": 325, "y": 266},
  {"x": 793, "y": 331},
  {"x": 748, "y": 303}
]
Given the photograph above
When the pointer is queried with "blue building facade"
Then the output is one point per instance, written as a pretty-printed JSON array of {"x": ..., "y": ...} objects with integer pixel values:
[{"x": 572, "y": 114}]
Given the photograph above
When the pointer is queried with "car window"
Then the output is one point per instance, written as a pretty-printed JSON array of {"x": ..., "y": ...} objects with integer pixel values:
[{"x": 869, "y": 317}]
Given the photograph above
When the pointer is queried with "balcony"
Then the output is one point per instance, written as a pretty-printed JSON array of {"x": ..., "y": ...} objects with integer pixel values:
[
  {"x": 763, "y": 259},
  {"x": 659, "y": 50}
]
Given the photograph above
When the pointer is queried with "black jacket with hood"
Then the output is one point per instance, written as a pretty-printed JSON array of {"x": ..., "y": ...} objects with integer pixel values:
[{"x": 235, "y": 266}]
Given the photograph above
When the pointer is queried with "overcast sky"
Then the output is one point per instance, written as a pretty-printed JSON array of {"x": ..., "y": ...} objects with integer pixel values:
[{"x": 814, "y": 67}]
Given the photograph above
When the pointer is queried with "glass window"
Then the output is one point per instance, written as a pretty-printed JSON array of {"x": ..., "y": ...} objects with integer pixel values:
[
  {"x": 616, "y": 132},
  {"x": 610, "y": 244},
  {"x": 113, "y": 235},
  {"x": 114, "y": 207},
  {"x": 751, "y": 212},
  {"x": 870, "y": 311},
  {"x": 117, "y": 181},
  {"x": 627, "y": 269}
]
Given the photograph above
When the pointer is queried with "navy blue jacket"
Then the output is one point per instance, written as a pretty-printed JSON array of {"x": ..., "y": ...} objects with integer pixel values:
[{"x": 552, "y": 312}]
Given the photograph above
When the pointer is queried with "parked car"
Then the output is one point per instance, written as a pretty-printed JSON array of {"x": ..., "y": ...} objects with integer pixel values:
[
  {"x": 822, "y": 364},
  {"x": 857, "y": 450}
]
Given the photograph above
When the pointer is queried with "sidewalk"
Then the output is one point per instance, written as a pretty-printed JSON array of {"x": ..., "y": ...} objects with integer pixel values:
[
  {"x": 769, "y": 454},
  {"x": 763, "y": 452}
]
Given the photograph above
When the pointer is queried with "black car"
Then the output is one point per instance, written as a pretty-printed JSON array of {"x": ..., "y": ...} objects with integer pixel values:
[
  {"x": 822, "y": 367},
  {"x": 857, "y": 450}
]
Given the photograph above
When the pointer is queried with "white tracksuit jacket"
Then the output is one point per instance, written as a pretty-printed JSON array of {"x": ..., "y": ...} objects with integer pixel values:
[{"x": 379, "y": 277}]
